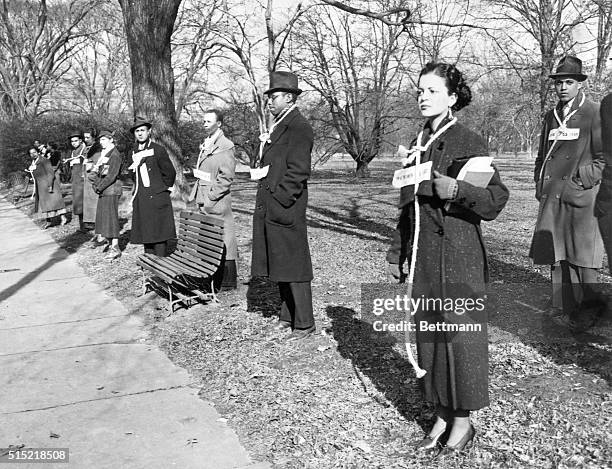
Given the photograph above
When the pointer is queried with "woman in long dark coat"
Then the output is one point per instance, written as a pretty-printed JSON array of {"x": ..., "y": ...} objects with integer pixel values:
[
  {"x": 48, "y": 201},
  {"x": 451, "y": 259},
  {"x": 108, "y": 186}
]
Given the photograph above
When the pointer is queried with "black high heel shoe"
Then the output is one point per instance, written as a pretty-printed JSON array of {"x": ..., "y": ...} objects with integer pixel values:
[
  {"x": 430, "y": 443},
  {"x": 460, "y": 446}
]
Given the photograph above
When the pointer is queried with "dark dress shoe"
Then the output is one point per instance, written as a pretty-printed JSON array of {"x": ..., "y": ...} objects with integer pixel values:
[
  {"x": 300, "y": 334},
  {"x": 460, "y": 446},
  {"x": 430, "y": 443},
  {"x": 281, "y": 326}
]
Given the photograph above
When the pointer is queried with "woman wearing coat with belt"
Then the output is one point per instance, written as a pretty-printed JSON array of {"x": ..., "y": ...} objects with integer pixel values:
[
  {"x": 451, "y": 260},
  {"x": 48, "y": 201},
  {"x": 108, "y": 186}
]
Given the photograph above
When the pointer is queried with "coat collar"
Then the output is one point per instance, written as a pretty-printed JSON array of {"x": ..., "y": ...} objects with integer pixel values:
[{"x": 280, "y": 129}]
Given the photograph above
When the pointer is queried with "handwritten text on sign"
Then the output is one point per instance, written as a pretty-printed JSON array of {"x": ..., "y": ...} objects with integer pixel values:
[{"x": 408, "y": 176}]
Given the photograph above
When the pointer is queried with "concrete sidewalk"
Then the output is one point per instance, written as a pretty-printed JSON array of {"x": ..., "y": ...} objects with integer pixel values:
[{"x": 76, "y": 372}]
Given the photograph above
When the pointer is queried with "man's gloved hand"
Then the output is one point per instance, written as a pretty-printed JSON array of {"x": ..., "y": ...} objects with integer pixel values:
[{"x": 445, "y": 187}]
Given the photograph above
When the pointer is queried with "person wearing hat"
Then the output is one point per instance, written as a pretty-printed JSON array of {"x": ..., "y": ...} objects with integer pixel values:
[
  {"x": 215, "y": 172},
  {"x": 280, "y": 240},
  {"x": 567, "y": 174},
  {"x": 603, "y": 203},
  {"x": 90, "y": 198},
  {"x": 75, "y": 161},
  {"x": 152, "y": 215},
  {"x": 104, "y": 177}
]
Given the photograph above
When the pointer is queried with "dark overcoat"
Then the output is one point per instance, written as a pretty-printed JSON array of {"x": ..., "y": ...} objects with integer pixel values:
[
  {"x": 45, "y": 177},
  {"x": 280, "y": 239},
  {"x": 215, "y": 196},
  {"x": 451, "y": 263},
  {"x": 90, "y": 198},
  {"x": 77, "y": 178},
  {"x": 108, "y": 187},
  {"x": 152, "y": 214},
  {"x": 603, "y": 203},
  {"x": 566, "y": 229}
]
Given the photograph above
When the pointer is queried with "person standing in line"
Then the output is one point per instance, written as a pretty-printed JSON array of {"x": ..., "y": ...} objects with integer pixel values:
[
  {"x": 108, "y": 187},
  {"x": 152, "y": 214},
  {"x": 76, "y": 159},
  {"x": 567, "y": 174},
  {"x": 48, "y": 200},
  {"x": 451, "y": 259},
  {"x": 215, "y": 172},
  {"x": 603, "y": 203},
  {"x": 280, "y": 239},
  {"x": 90, "y": 198}
]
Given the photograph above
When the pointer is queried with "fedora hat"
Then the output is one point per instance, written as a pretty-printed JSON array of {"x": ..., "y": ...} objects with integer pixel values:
[
  {"x": 75, "y": 133},
  {"x": 139, "y": 122},
  {"x": 106, "y": 133},
  {"x": 283, "y": 81},
  {"x": 569, "y": 66}
]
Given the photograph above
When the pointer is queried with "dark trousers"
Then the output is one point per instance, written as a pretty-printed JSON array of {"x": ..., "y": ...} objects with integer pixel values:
[
  {"x": 605, "y": 228},
  {"x": 297, "y": 304},
  {"x": 576, "y": 284},
  {"x": 159, "y": 249}
]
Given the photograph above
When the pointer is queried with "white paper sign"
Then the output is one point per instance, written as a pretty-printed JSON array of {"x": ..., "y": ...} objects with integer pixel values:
[
  {"x": 202, "y": 175},
  {"x": 563, "y": 133},
  {"x": 258, "y": 173},
  {"x": 144, "y": 175},
  {"x": 409, "y": 176}
]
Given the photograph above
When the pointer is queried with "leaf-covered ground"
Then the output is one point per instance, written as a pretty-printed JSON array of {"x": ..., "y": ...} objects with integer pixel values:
[{"x": 348, "y": 397}]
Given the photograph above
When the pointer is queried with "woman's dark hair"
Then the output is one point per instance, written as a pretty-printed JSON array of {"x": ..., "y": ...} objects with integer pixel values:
[{"x": 455, "y": 82}]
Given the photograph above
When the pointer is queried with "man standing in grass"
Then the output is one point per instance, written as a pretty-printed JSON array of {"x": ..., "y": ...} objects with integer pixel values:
[
  {"x": 567, "y": 174},
  {"x": 280, "y": 240}
]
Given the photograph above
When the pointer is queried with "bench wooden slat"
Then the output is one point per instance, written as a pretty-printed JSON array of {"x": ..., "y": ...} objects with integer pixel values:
[
  {"x": 205, "y": 269},
  {"x": 178, "y": 267},
  {"x": 192, "y": 256},
  {"x": 200, "y": 232},
  {"x": 159, "y": 270},
  {"x": 206, "y": 248},
  {"x": 204, "y": 251},
  {"x": 198, "y": 268},
  {"x": 193, "y": 226},
  {"x": 202, "y": 218}
]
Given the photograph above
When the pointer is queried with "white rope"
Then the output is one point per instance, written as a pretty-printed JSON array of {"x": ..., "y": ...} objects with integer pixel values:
[{"x": 415, "y": 155}]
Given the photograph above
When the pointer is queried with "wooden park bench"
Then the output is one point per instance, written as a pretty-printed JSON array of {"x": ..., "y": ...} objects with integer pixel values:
[{"x": 186, "y": 275}]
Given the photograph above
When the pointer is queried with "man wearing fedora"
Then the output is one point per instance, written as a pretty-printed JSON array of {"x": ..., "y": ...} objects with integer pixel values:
[
  {"x": 280, "y": 240},
  {"x": 75, "y": 161},
  {"x": 567, "y": 174},
  {"x": 154, "y": 175}
]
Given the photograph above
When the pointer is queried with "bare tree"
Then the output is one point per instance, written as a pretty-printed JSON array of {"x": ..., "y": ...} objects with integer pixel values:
[
  {"x": 356, "y": 66},
  {"x": 36, "y": 41},
  {"x": 98, "y": 79},
  {"x": 604, "y": 37},
  {"x": 550, "y": 24}
]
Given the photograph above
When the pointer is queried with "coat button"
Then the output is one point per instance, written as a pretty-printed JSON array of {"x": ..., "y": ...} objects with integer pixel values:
[
  {"x": 557, "y": 196},
  {"x": 564, "y": 178},
  {"x": 268, "y": 186},
  {"x": 547, "y": 176},
  {"x": 567, "y": 157},
  {"x": 440, "y": 231},
  {"x": 259, "y": 207}
]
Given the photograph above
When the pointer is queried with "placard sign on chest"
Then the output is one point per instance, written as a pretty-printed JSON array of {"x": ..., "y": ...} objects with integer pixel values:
[
  {"x": 412, "y": 175},
  {"x": 564, "y": 133},
  {"x": 202, "y": 175},
  {"x": 259, "y": 173}
]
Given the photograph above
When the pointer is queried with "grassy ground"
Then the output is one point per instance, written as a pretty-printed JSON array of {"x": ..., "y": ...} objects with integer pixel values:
[{"x": 348, "y": 398}]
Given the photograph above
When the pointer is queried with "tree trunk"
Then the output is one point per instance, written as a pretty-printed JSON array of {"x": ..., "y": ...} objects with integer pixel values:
[
  {"x": 148, "y": 28},
  {"x": 362, "y": 170}
]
